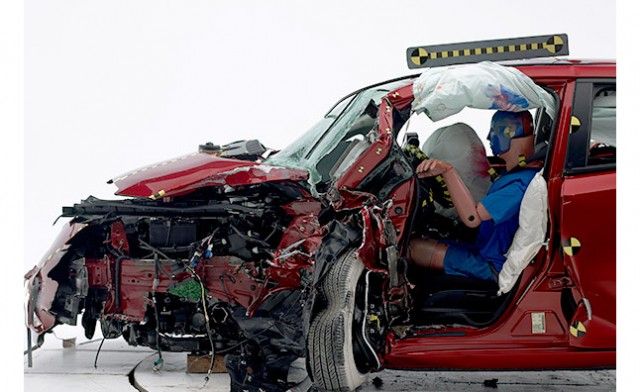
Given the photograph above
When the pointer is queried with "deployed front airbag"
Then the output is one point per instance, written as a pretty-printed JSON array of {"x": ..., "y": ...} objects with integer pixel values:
[{"x": 459, "y": 145}]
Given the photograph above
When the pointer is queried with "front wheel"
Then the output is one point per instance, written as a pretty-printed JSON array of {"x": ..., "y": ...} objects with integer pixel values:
[{"x": 330, "y": 343}]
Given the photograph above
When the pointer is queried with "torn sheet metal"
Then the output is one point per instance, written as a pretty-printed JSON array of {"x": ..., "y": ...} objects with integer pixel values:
[
  {"x": 443, "y": 92},
  {"x": 40, "y": 288}
]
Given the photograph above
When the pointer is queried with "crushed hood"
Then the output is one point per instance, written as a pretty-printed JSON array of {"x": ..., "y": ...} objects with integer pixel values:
[{"x": 186, "y": 173}]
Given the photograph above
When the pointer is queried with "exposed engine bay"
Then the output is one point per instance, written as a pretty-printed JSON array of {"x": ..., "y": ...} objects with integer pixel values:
[
  {"x": 220, "y": 270},
  {"x": 228, "y": 251}
]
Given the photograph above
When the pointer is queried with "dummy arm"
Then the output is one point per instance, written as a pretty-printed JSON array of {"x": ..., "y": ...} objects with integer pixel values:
[{"x": 471, "y": 213}]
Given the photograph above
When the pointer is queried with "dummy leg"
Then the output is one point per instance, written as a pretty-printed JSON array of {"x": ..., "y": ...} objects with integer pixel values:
[{"x": 427, "y": 253}]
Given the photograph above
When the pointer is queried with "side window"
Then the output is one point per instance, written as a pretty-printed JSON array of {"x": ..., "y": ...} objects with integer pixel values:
[
  {"x": 592, "y": 140},
  {"x": 602, "y": 143}
]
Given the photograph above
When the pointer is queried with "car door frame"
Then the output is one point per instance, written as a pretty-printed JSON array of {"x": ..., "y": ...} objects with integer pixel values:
[{"x": 589, "y": 296}]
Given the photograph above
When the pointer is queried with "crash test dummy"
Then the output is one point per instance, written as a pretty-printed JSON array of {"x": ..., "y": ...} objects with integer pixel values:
[{"x": 495, "y": 215}]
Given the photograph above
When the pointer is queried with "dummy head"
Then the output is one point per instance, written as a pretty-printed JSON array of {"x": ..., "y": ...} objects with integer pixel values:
[{"x": 511, "y": 136}]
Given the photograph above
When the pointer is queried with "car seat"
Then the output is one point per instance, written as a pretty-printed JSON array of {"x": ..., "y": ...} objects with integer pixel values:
[{"x": 447, "y": 299}]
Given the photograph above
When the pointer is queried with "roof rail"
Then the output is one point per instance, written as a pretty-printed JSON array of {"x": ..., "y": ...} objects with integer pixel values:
[{"x": 491, "y": 50}]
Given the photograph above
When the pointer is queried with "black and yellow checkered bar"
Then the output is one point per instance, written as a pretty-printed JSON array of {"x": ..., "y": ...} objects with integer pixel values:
[{"x": 493, "y": 50}]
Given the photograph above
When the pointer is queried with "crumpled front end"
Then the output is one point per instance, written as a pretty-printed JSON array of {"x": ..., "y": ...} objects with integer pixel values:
[
  {"x": 219, "y": 268},
  {"x": 185, "y": 174},
  {"x": 40, "y": 288}
]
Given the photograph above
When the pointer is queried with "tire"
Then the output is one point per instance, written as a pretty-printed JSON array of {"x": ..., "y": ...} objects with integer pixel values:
[{"x": 330, "y": 342}]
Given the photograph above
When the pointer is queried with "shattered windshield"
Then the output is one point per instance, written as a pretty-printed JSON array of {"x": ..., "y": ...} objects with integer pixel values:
[{"x": 318, "y": 149}]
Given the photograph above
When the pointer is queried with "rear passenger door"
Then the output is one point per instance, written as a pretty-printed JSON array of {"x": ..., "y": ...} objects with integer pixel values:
[{"x": 588, "y": 215}]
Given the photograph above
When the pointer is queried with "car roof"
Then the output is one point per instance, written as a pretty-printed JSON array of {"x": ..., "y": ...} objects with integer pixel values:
[
  {"x": 537, "y": 68},
  {"x": 554, "y": 68},
  {"x": 558, "y": 61},
  {"x": 560, "y": 68}
]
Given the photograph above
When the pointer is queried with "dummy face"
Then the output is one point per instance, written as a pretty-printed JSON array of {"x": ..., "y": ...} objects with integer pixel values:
[{"x": 504, "y": 127}]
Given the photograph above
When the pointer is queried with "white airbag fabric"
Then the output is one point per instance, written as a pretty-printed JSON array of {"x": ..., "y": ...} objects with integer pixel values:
[
  {"x": 530, "y": 235},
  {"x": 444, "y": 91},
  {"x": 460, "y": 145}
]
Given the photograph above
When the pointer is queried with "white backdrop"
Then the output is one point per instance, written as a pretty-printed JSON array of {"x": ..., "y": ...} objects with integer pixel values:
[{"x": 113, "y": 85}]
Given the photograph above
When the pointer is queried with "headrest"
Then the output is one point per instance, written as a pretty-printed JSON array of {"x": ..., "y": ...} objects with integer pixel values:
[{"x": 605, "y": 101}]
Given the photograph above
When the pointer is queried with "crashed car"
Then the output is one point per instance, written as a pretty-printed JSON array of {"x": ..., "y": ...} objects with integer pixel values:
[{"x": 270, "y": 257}]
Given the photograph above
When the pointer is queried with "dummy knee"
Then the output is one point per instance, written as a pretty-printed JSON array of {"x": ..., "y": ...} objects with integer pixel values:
[{"x": 427, "y": 253}]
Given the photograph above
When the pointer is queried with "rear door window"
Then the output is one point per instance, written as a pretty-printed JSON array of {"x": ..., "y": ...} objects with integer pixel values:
[
  {"x": 592, "y": 140},
  {"x": 602, "y": 142}
]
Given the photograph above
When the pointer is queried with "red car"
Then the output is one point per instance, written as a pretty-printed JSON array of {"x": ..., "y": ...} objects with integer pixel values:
[{"x": 269, "y": 257}]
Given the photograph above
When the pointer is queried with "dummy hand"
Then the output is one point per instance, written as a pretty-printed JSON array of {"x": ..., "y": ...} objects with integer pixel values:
[{"x": 432, "y": 167}]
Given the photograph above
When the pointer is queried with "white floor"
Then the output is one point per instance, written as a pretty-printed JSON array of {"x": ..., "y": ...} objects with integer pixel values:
[{"x": 57, "y": 369}]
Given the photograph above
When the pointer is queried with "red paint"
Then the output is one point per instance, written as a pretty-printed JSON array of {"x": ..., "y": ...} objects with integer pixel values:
[
  {"x": 577, "y": 205},
  {"x": 226, "y": 278},
  {"x": 497, "y": 357},
  {"x": 119, "y": 237},
  {"x": 372, "y": 239},
  {"x": 99, "y": 271},
  {"x": 379, "y": 150},
  {"x": 509, "y": 343},
  {"x": 184, "y": 174},
  {"x": 403, "y": 204},
  {"x": 231, "y": 281},
  {"x": 593, "y": 267}
]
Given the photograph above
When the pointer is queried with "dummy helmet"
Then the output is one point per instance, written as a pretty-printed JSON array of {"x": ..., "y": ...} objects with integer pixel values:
[{"x": 506, "y": 126}]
